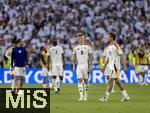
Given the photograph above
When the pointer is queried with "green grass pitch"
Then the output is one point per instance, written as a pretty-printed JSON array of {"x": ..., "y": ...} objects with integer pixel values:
[{"x": 67, "y": 100}]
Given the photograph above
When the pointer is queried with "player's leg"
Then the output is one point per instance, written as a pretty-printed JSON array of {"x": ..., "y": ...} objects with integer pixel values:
[
  {"x": 44, "y": 82},
  {"x": 108, "y": 90},
  {"x": 20, "y": 84},
  {"x": 110, "y": 86},
  {"x": 122, "y": 89},
  {"x": 22, "y": 76},
  {"x": 145, "y": 75},
  {"x": 60, "y": 82},
  {"x": 44, "y": 74},
  {"x": 86, "y": 84},
  {"x": 60, "y": 73},
  {"x": 50, "y": 79},
  {"x": 21, "y": 81},
  {"x": 17, "y": 84},
  {"x": 107, "y": 73},
  {"x": 86, "y": 88},
  {"x": 141, "y": 74},
  {"x": 54, "y": 80},
  {"x": 113, "y": 88},
  {"x": 80, "y": 88},
  {"x": 12, "y": 80},
  {"x": 17, "y": 77},
  {"x": 80, "y": 85},
  {"x": 113, "y": 91}
]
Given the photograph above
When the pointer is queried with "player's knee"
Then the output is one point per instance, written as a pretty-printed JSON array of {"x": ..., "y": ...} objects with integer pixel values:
[
  {"x": 86, "y": 81},
  {"x": 110, "y": 81},
  {"x": 107, "y": 77},
  {"x": 79, "y": 80},
  {"x": 117, "y": 82}
]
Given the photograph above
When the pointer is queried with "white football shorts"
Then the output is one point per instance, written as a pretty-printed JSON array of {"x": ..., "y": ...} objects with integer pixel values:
[
  {"x": 19, "y": 71},
  {"x": 142, "y": 68},
  {"x": 82, "y": 72},
  {"x": 57, "y": 70}
]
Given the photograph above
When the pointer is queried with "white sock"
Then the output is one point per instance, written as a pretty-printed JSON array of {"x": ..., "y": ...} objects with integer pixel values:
[
  {"x": 80, "y": 88},
  {"x": 50, "y": 85},
  {"x": 107, "y": 94},
  {"x": 44, "y": 85},
  {"x": 12, "y": 84},
  {"x": 145, "y": 78},
  {"x": 55, "y": 84},
  {"x": 50, "y": 81},
  {"x": 58, "y": 83},
  {"x": 86, "y": 87},
  {"x": 140, "y": 79},
  {"x": 124, "y": 93}
]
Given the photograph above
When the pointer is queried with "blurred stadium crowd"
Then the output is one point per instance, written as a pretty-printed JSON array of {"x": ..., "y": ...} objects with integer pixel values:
[{"x": 36, "y": 21}]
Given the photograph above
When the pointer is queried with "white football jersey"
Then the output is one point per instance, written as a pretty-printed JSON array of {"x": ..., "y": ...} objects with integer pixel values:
[
  {"x": 55, "y": 53},
  {"x": 114, "y": 52},
  {"x": 105, "y": 53},
  {"x": 82, "y": 54}
]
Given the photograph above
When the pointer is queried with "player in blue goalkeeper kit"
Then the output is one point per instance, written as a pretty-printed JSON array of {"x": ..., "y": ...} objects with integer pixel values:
[{"x": 19, "y": 61}]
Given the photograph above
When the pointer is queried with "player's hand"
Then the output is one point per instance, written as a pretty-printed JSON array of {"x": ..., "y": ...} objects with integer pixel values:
[
  {"x": 89, "y": 69},
  {"x": 103, "y": 70},
  {"x": 125, "y": 68},
  {"x": 27, "y": 66},
  {"x": 49, "y": 68},
  {"x": 12, "y": 69}
]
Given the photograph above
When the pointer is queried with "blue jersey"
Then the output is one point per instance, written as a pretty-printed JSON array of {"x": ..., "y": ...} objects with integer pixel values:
[{"x": 19, "y": 57}]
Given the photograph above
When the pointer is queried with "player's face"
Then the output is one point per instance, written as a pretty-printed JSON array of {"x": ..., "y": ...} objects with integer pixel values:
[
  {"x": 110, "y": 39},
  {"x": 20, "y": 43},
  {"x": 81, "y": 39}
]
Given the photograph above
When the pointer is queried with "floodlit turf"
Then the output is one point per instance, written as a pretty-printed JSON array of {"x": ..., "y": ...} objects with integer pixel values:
[{"x": 67, "y": 101}]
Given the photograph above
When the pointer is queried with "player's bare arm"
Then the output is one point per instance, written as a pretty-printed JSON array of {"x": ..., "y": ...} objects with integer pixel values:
[
  {"x": 74, "y": 61},
  {"x": 63, "y": 58},
  {"x": 123, "y": 59},
  {"x": 49, "y": 63},
  {"x": 90, "y": 62}
]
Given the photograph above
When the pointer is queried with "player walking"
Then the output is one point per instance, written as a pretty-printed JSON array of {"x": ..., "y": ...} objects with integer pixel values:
[
  {"x": 113, "y": 62},
  {"x": 107, "y": 70},
  {"x": 82, "y": 55},
  {"x": 18, "y": 63},
  {"x": 142, "y": 62},
  {"x": 44, "y": 64},
  {"x": 56, "y": 60},
  {"x": 8, "y": 55}
]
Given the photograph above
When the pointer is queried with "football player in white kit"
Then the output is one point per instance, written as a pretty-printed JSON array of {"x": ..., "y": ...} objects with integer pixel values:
[
  {"x": 56, "y": 60},
  {"x": 107, "y": 70},
  {"x": 82, "y": 55},
  {"x": 113, "y": 62}
]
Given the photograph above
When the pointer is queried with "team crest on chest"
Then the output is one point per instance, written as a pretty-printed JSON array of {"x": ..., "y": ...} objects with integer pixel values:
[{"x": 19, "y": 51}]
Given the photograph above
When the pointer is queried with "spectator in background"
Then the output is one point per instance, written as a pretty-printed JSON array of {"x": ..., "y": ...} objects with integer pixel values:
[{"x": 37, "y": 21}]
